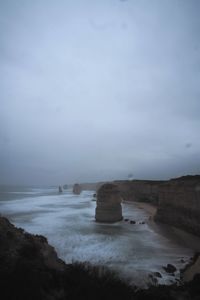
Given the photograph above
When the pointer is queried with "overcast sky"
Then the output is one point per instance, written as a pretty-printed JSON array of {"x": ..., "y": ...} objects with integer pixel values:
[{"x": 96, "y": 90}]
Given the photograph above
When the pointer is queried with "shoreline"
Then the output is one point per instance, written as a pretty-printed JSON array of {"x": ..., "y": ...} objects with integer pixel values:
[
  {"x": 34, "y": 270},
  {"x": 148, "y": 207},
  {"x": 178, "y": 235}
]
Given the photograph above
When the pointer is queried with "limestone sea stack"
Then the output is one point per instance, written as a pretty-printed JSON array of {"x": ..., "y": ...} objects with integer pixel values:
[
  {"x": 77, "y": 189},
  {"x": 108, "y": 207}
]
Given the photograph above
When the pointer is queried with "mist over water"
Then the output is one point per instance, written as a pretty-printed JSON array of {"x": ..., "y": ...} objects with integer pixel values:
[{"x": 67, "y": 220}]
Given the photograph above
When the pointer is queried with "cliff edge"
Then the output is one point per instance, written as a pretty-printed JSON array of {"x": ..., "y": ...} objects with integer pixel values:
[
  {"x": 30, "y": 269},
  {"x": 179, "y": 203}
]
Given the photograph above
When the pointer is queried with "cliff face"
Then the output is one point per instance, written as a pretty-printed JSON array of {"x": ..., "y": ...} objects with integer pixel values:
[
  {"x": 94, "y": 186},
  {"x": 178, "y": 200},
  {"x": 179, "y": 203},
  {"x": 192, "y": 269},
  {"x": 139, "y": 190},
  {"x": 78, "y": 187},
  {"x": 108, "y": 204}
]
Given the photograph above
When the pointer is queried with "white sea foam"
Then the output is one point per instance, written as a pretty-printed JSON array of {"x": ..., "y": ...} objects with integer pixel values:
[{"x": 68, "y": 222}]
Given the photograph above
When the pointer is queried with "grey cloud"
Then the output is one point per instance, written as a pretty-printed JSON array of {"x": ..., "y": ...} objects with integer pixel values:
[{"x": 97, "y": 90}]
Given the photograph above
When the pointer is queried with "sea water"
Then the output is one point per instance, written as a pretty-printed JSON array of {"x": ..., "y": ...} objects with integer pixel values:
[{"x": 67, "y": 220}]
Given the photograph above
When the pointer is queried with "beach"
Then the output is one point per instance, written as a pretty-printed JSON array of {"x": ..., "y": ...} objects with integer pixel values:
[{"x": 176, "y": 234}]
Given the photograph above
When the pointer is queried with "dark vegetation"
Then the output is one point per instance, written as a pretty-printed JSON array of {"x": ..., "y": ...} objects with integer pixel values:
[{"x": 31, "y": 270}]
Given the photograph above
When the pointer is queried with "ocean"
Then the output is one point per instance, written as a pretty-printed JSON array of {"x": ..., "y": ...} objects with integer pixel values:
[{"x": 67, "y": 220}]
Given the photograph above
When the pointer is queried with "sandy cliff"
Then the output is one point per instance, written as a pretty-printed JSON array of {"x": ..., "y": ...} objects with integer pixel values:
[
  {"x": 179, "y": 203},
  {"x": 139, "y": 190}
]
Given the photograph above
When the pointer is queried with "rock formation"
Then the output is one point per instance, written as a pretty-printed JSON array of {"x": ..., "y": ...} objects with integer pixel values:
[
  {"x": 108, "y": 204},
  {"x": 192, "y": 268},
  {"x": 77, "y": 189},
  {"x": 60, "y": 189},
  {"x": 179, "y": 203},
  {"x": 30, "y": 269},
  {"x": 139, "y": 190}
]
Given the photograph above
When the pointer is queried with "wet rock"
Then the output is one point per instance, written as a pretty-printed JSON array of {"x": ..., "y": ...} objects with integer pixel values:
[
  {"x": 132, "y": 222},
  {"x": 157, "y": 274},
  {"x": 153, "y": 279},
  {"x": 170, "y": 269},
  {"x": 109, "y": 207},
  {"x": 60, "y": 189},
  {"x": 192, "y": 268},
  {"x": 77, "y": 189},
  {"x": 126, "y": 220}
]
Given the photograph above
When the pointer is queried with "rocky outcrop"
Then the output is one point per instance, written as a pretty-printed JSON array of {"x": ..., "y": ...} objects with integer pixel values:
[
  {"x": 77, "y": 189},
  {"x": 139, "y": 190},
  {"x": 177, "y": 200},
  {"x": 65, "y": 186},
  {"x": 60, "y": 190},
  {"x": 109, "y": 207},
  {"x": 179, "y": 203},
  {"x": 192, "y": 268},
  {"x": 30, "y": 269}
]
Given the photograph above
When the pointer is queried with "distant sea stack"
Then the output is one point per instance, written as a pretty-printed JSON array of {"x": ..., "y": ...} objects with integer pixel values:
[
  {"x": 65, "y": 186},
  {"x": 109, "y": 207},
  {"x": 77, "y": 189},
  {"x": 179, "y": 203}
]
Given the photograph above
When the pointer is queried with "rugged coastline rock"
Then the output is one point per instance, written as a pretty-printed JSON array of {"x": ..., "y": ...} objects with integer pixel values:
[
  {"x": 30, "y": 269},
  {"x": 170, "y": 268},
  {"x": 60, "y": 190},
  {"x": 139, "y": 190},
  {"x": 65, "y": 186},
  {"x": 179, "y": 203},
  {"x": 192, "y": 268},
  {"x": 77, "y": 189},
  {"x": 177, "y": 200},
  {"x": 109, "y": 207}
]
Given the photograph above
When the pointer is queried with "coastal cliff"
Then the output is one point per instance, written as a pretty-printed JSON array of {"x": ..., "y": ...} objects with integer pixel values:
[
  {"x": 139, "y": 190},
  {"x": 30, "y": 269},
  {"x": 179, "y": 203},
  {"x": 177, "y": 200}
]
